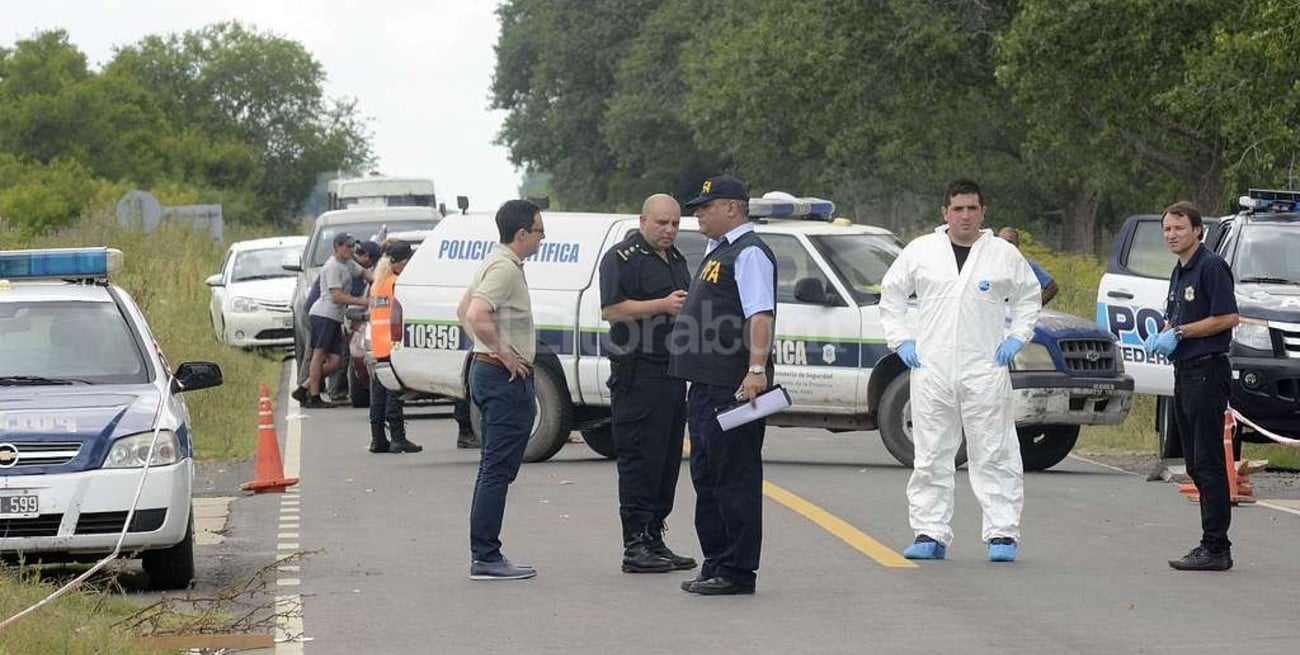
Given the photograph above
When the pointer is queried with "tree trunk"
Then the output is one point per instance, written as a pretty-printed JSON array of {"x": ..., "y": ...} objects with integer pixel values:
[{"x": 1079, "y": 227}]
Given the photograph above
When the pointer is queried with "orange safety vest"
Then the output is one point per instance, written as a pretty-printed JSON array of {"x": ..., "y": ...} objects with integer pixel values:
[{"x": 381, "y": 312}]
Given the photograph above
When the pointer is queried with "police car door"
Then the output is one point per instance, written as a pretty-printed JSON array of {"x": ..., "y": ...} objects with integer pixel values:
[
  {"x": 815, "y": 344},
  {"x": 1131, "y": 300}
]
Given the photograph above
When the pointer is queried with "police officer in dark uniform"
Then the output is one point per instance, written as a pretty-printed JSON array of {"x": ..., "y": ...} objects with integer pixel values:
[
  {"x": 643, "y": 283},
  {"x": 1200, "y": 313},
  {"x": 722, "y": 343}
]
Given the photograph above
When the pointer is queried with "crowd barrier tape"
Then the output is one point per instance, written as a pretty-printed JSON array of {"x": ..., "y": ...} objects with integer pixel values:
[{"x": 1285, "y": 441}]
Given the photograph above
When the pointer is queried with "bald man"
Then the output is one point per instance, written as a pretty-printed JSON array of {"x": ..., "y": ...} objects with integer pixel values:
[
  {"x": 1045, "y": 281},
  {"x": 643, "y": 282}
]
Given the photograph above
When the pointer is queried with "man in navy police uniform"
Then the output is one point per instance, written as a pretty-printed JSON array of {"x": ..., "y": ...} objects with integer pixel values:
[
  {"x": 1200, "y": 312},
  {"x": 722, "y": 344},
  {"x": 643, "y": 282}
]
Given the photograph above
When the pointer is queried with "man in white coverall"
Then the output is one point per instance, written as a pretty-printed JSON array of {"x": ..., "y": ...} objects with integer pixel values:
[{"x": 967, "y": 283}]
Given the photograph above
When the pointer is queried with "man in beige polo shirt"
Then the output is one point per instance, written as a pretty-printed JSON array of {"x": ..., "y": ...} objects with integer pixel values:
[{"x": 498, "y": 314}]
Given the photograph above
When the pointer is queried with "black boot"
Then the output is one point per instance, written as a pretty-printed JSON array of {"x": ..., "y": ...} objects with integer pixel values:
[
  {"x": 378, "y": 442},
  {"x": 465, "y": 437},
  {"x": 400, "y": 444},
  {"x": 656, "y": 534},
  {"x": 639, "y": 555}
]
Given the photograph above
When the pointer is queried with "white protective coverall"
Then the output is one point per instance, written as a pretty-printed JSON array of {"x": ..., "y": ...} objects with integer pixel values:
[{"x": 962, "y": 318}]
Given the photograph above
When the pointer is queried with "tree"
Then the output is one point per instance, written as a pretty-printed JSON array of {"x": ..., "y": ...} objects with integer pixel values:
[
  {"x": 556, "y": 65},
  {"x": 235, "y": 84},
  {"x": 1132, "y": 94}
]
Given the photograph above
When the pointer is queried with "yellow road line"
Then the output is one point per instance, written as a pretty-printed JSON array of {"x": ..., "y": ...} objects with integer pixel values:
[{"x": 837, "y": 526}]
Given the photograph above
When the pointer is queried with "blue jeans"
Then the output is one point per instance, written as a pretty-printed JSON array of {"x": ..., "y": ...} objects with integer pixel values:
[{"x": 508, "y": 409}]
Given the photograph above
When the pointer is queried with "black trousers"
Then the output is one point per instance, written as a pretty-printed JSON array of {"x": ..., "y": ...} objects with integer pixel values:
[
  {"x": 649, "y": 415},
  {"x": 387, "y": 407},
  {"x": 1200, "y": 398},
  {"x": 727, "y": 469}
]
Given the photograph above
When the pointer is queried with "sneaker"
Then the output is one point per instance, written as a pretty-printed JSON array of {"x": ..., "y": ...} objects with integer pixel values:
[
  {"x": 926, "y": 548},
  {"x": 501, "y": 569},
  {"x": 299, "y": 394},
  {"x": 1200, "y": 559},
  {"x": 315, "y": 402},
  {"x": 1002, "y": 549},
  {"x": 466, "y": 439}
]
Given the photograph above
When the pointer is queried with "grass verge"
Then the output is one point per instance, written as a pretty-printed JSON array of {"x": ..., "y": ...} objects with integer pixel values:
[{"x": 79, "y": 623}]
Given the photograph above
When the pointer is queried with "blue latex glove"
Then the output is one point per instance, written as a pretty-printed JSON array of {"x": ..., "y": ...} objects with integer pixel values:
[
  {"x": 1007, "y": 350},
  {"x": 1165, "y": 343},
  {"x": 1150, "y": 342},
  {"x": 907, "y": 353}
]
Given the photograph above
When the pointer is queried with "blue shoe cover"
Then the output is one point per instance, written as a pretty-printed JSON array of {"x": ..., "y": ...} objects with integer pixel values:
[
  {"x": 1002, "y": 552},
  {"x": 926, "y": 550}
]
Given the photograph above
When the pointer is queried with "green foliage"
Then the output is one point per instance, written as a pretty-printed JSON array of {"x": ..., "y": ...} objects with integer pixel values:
[
  {"x": 1072, "y": 114},
  {"x": 236, "y": 116},
  {"x": 41, "y": 197}
]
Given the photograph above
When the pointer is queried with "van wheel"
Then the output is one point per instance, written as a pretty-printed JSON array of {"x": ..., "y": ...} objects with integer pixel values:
[
  {"x": 554, "y": 418},
  {"x": 172, "y": 568},
  {"x": 601, "y": 440},
  {"x": 1044, "y": 446},
  {"x": 896, "y": 422}
]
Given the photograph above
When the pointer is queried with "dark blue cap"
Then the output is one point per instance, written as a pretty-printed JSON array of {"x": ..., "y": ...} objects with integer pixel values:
[{"x": 718, "y": 187}]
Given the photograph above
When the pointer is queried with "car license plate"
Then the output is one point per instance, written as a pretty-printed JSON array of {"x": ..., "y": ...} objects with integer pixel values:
[
  {"x": 287, "y": 321},
  {"x": 20, "y": 505}
]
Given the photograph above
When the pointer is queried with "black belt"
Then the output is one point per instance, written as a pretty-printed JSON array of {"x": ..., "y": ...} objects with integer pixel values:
[{"x": 1198, "y": 360}]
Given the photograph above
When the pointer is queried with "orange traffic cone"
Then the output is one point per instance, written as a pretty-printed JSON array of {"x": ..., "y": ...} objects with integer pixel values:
[
  {"x": 268, "y": 472},
  {"x": 1239, "y": 487}
]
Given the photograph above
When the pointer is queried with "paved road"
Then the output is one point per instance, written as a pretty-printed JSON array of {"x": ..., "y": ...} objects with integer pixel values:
[{"x": 392, "y": 574}]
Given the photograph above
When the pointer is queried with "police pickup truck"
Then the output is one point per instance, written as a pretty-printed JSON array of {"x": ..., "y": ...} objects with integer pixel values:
[
  {"x": 1261, "y": 244},
  {"x": 830, "y": 348},
  {"x": 86, "y": 399}
]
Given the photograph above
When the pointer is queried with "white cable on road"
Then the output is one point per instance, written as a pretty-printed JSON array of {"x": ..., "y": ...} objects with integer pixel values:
[{"x": 126, "y": 524}]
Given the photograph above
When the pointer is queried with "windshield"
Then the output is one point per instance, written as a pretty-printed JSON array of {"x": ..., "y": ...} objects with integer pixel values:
[
  {"x": 322, "y": 245},
  {"x": 68, "y": 342},
  {"x": 860, "y": 260},
  {"x": 263, "y": 264},
  {"x": 1268, "y": 253}
]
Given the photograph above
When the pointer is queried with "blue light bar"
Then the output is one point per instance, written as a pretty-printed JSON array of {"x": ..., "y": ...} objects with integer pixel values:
[
  {"x": 1270, "y": 200},
  {"x": 794, "y": 208},
  {"x": 59, "y": 263}
]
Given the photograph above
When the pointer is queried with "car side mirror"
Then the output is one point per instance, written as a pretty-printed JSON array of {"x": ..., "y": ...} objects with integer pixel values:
[
  {"x": 294, "y": 266},
  {"x": 214, "y": 280},
  {"x": 810, "y": 290},
  {"x": 191, "y": 376}
]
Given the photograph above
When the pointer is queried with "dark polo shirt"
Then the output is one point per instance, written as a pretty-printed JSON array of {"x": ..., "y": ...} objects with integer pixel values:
[{"x": 1202, "y": 288}]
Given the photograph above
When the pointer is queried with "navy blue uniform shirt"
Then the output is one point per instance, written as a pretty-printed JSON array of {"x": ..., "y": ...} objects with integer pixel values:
[
  {"x": 632, "y": 270},
  {"x": 1201, "y": 288}
]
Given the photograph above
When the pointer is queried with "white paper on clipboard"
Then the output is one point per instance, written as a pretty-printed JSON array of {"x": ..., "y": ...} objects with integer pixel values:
[{"x": 768, "y": 403}]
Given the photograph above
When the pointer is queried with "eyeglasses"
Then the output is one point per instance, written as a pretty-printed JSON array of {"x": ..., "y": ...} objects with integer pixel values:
[{"x": 535, "y": 230}]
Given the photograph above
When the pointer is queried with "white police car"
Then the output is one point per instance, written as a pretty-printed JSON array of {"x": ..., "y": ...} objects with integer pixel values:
[
  {"x": 829, "y": 346},
  {"x": 84, "y": 394}
]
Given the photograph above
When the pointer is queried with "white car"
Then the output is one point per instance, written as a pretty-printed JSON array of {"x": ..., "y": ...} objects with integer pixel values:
[{"x": 251, "y": 294}]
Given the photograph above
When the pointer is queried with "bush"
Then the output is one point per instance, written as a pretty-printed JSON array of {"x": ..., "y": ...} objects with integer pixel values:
[{"x": 39, "y": 198}]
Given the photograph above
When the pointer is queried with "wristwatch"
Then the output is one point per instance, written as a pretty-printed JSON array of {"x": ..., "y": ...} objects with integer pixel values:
[
  {"x": 758, "y": 369},
  {"x": 1178, "y": 332}
]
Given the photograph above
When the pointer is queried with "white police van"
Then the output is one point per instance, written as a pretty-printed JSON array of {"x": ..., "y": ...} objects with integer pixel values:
[
  {"x": 1261, "y": 244},
  {"x": 830, "y": 348},
  {"x": 84, "y": 394}
]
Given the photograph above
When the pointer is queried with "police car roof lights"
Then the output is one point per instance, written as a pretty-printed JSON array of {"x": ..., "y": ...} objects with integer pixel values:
[
  {"x": 1270, "y": 200},
  {"x": 59, "y": 263},
  {"x": 778, "y": 204}
]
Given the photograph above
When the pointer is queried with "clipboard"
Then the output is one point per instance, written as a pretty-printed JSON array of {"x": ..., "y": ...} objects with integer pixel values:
[{"x": 741, "y": 412}]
